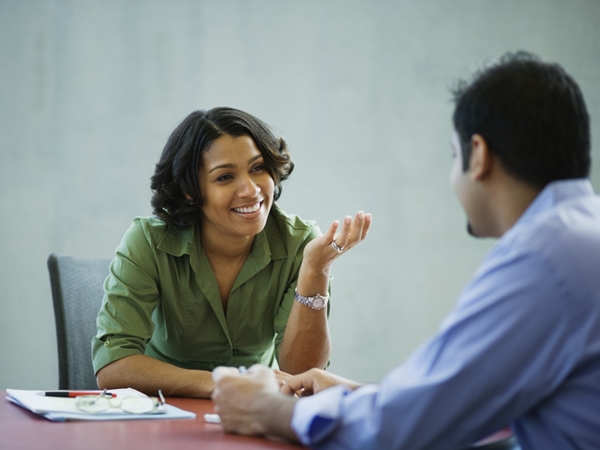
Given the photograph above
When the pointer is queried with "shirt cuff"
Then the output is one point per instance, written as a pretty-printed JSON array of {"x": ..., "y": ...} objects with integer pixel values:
[{"x": 317, "y": 416}]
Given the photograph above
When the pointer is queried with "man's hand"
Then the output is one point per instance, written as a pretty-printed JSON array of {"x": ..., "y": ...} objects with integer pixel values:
[
  {"x": 251, "y": 404},
  {"x": 313, "y": 381}
]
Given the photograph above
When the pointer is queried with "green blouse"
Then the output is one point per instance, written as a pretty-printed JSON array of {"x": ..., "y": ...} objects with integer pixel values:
[{"x": 162, "y": 298}]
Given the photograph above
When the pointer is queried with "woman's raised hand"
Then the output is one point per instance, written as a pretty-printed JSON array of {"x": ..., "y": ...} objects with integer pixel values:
[
  {"x": 306, "y": 342},
  {"x": 322, "y": 251}
]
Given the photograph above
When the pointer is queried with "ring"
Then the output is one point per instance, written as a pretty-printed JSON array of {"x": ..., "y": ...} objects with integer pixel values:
[{"x": 336, "y": 247}]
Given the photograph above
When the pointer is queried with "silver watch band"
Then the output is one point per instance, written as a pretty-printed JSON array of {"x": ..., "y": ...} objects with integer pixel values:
[{"x": 317, "y": 302}]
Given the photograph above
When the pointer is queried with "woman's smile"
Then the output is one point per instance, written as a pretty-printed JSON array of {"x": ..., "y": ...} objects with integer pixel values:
[{"x": 246, "y": 210}]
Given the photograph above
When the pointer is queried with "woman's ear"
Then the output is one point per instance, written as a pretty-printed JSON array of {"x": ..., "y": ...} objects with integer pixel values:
[{"x": 481, "y": 162}]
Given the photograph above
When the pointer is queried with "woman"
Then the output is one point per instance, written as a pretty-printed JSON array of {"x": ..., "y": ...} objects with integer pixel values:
[{"x": 221, "y": 275}]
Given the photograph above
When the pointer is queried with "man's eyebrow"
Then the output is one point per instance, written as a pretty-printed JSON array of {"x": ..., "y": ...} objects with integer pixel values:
[{"x": 229, "y": 165}]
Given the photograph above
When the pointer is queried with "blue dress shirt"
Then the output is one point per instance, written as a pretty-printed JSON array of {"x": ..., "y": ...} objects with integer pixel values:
[{"x": 521, "y": 347}]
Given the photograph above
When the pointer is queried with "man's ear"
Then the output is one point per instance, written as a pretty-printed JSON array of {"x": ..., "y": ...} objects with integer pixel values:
[{"x": 481, "y": 162}]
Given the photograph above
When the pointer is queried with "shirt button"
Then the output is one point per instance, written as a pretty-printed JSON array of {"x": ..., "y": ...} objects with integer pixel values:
[{"x": 106, "y": 344}]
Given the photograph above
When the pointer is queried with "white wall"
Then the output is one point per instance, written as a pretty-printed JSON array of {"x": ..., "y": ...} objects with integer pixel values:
[{"x": 89, "y": 92}]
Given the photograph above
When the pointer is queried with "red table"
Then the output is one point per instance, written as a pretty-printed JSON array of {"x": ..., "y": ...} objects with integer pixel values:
[{"x": 21, "y": 429}]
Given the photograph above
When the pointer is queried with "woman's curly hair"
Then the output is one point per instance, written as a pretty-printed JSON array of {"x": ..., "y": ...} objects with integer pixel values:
[{"x": 176, "y": 196}]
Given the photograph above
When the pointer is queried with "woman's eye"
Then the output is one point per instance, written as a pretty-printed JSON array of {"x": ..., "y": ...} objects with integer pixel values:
[
  {"x": 225, "y": 177},
  {"x": 258, "y": 168}
]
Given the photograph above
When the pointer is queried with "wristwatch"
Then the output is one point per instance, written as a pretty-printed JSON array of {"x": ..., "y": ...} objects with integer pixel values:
[{"x": 317, "y": 302}]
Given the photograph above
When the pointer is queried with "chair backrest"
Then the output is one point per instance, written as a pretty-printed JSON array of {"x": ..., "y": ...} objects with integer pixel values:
[{"x": 77, "y": 292}]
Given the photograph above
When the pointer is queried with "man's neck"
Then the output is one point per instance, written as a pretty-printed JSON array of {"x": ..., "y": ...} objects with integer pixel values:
[{"x": 510, "y": 198}]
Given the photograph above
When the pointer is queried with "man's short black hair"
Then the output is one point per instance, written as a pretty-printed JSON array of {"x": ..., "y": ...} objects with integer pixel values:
[{"x": 532, "y": 115}]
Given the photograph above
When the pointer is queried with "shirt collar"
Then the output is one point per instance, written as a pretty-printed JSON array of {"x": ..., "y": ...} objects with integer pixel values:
[
  {"x": 555, "y": 193},
  {"x": 267, "y": 244}
]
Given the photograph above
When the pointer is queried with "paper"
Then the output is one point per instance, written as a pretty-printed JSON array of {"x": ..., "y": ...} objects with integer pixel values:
[
  {"x": 212, "y": 418},
  {"x": 61, "y": 409}
]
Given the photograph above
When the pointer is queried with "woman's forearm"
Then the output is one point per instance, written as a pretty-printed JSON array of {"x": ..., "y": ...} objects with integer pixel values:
[
  {"x": 306, "y": 342},
  {"x": 148, "y": 375}
]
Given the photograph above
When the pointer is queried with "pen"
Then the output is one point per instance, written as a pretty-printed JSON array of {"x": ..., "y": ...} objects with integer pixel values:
[{"x": 72, "y": 394}]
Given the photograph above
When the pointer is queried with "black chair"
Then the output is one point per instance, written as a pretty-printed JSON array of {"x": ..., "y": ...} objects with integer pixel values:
[{"x": 77, "y": 292}]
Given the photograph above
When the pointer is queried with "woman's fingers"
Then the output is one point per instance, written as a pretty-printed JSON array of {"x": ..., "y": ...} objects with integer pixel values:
[
  {"x": 331, "y": 232},
  {"x": 361, "y": 227},
  {"x": 365, "y": 228},
  {"x": 354, "y": 230},
  {"x": 341, "y": 238},
  {"x": 357, "y": 226},
  {"x": 282, "y": 377}
]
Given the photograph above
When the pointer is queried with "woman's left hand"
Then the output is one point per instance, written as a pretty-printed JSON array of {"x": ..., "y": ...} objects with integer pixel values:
[
  {"x": 322, "y": 251},
  {"x": 306, "y": 342},
  {"x": 282, "y": 377}
]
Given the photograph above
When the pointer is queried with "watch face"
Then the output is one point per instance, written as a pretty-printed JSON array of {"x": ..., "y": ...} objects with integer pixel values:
[{"x": 318, "y": 303}]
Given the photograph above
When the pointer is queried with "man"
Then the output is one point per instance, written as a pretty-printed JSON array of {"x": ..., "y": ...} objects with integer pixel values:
[{"x": 522, "y": 345}]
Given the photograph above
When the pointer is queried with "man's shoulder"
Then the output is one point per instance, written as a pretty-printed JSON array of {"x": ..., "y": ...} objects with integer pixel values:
[
  {"x": 571, "y": 222},
  {"x": 565, "y": 239},
  {"x": 566, "y": 211}
]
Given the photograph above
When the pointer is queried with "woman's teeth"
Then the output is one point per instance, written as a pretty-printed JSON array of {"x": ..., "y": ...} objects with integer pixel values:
[{"x": 248, "y": 209}]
